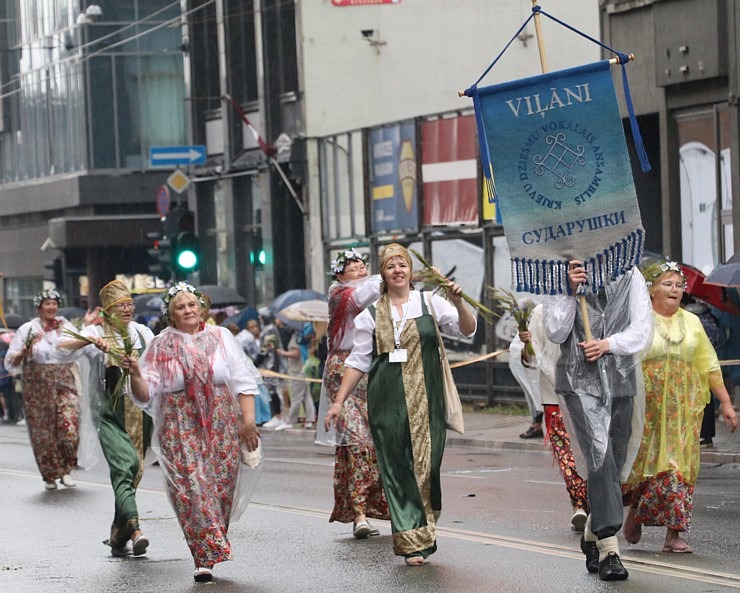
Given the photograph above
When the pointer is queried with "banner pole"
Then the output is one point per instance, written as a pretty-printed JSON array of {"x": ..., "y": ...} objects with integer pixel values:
[
  {"x": 540, "y": 40},
  {"x": 546, "y": 69}
]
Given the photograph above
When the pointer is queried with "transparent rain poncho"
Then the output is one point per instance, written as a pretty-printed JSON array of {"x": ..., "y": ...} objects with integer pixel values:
[
  {"x": 194, "y": 384},
  {"x": 680, "y": 368},
  {"x": 622, "y": 313}
]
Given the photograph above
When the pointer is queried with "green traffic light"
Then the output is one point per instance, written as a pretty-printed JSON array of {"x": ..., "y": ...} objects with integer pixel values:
[
  {"x": 187, "y": 259},
  {"x": 261, "y": 257}
]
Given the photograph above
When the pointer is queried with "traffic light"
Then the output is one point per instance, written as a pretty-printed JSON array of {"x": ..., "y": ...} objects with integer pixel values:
[
  {"x": 159, "y": 255},
  {"x": 184, "y": 244},
  {"x": 257, "y": 256}
]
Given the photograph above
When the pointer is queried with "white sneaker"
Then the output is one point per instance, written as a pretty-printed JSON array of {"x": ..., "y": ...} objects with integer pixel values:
[
  {"x": 578, "y": 521},
  {"x": 50, "y": 485},
  {"x": 309, "y": 425},
  {"x": 68, "y": 481},
  {"x": 21, "y": 422},
  {"x": 272, "y": 422},
  {"x": 283, "y": 426}
]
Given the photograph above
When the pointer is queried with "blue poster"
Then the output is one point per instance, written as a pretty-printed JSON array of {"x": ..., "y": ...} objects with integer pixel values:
[
  {"x": 562, "y": 176},
  {"x": 393, "y": 178}
]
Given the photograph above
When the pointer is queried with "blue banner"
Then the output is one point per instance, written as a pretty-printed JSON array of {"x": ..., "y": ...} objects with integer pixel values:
[
  {"x": 562, "y": 176},
  {"x": 393, "y": 178}
]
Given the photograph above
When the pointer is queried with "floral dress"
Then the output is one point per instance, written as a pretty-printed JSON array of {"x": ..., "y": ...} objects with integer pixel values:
[
  {"x": 50, "y": 397},
  {"x": 194, "y": 382},
  {"x": 677, "y": 371},
  {"x": 357, "y": 487}
]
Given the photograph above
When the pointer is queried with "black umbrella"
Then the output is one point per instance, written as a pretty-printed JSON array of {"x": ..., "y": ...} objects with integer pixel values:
[
  {"x": 726, "y": 274},
  {"x": 14, "y": 321},
  {"x": 296, "y": 295},
  {"x": 223, "y": 296},
  {"x": 150, "y": 302}
]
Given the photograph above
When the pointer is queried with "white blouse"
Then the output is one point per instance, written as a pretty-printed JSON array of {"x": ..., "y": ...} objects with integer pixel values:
[
  {"x": 45, "y": 350},
  {"x": 362, "y": 351},
  {"x": 230, "y": 365}
]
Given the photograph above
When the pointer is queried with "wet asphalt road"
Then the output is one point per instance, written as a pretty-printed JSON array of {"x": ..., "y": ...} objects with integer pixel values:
[{"x": 504, "y": 528}]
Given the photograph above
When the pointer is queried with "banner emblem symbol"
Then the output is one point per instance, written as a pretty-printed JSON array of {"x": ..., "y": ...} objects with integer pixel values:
[{"x": 560, "y": 160}]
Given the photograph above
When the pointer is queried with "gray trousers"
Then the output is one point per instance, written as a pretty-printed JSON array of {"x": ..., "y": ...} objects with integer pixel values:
[{"x": 604, "y": 487}]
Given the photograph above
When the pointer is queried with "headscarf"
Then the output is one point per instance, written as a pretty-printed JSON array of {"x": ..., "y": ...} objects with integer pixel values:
[{"x": 390, "y": 251}]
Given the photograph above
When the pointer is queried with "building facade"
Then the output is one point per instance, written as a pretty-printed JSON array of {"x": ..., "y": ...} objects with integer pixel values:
[
  {"x": 85, "y": 91},
  {"x": 685, "y": 78}
]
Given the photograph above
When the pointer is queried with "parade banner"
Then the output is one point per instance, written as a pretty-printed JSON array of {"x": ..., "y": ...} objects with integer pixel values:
[
  {"x": 563, "y": 180},
  {"x": 393, "y": 178}
]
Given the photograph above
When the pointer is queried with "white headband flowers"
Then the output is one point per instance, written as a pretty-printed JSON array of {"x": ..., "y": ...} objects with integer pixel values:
[{"x": 345, "y": 257}]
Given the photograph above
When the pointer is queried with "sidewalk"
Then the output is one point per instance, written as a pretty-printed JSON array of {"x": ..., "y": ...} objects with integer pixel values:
[{"x": 497, "y": 431}]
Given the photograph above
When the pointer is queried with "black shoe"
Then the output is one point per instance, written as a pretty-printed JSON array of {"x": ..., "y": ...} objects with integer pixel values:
[
  {"x": 591, "y": 550},
  {"x": 611, "y": 569},
  {"x": 706, "y": 443},
  {"x": 532, "y": 433}
]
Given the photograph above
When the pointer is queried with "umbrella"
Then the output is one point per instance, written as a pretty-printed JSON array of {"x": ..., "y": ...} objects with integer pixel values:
[
  {"x": 14, "y": 321},
  {"x": 71, "y": 312},
  {"x": 223, "y": 296},
  {"x": 727, "y": 274},
  {"x": 297, "y": 295},
  {"x": 697, "y": 287},
  {"x": 151, "y": 301},
  {"x": 241, "y": 318},
  {"x": 314, "y": 310}
]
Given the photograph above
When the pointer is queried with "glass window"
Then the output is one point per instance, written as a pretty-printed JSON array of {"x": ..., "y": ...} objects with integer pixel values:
[{"x": 701, "y": 139}]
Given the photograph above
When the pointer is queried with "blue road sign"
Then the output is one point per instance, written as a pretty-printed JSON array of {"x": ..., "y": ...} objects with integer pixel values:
[{"x": 172, "y": 156}]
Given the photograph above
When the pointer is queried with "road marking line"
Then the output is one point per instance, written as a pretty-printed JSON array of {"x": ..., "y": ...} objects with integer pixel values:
[{"x": 649, "y": 566}]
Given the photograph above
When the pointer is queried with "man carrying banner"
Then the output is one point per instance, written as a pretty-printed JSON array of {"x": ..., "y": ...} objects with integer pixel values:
[{"x": 601, "y": 383}]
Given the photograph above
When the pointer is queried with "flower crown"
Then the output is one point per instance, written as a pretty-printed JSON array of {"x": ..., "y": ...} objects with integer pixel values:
[
  {"x": 46, "y": 295},
  {"x": 657, "y": 270},
  {"x": 345, "y": 257},
  {"x": 173, "y": 290}
]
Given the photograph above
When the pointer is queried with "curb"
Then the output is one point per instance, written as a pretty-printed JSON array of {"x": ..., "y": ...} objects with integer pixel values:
[{"x": 708, "y": 457}]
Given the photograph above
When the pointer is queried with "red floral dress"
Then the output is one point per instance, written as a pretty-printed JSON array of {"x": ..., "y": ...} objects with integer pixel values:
[
  {"x": 193, "y": 381},
  {"x": 50, "y": 398},
  {"x": 357, "y": 487}
]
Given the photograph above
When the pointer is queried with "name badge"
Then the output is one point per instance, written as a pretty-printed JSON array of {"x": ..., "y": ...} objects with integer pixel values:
[{"x": 399, "y": 355}]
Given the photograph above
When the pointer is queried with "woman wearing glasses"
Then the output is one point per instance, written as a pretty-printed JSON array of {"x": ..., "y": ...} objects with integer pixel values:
[
  {"x": 123, "y": 430},
  {"x": 679, "y": 368}
]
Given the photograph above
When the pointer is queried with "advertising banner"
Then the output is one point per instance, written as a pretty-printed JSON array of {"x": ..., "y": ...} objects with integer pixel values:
[{"x": 393, "y": 178}]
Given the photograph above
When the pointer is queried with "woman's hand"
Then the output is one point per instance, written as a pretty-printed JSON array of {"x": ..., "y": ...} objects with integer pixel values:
[
  {"x": 525, "y": 336},
  {"x": 332, "y": 415},
  {"x": 454, "y": 293},
  {"x": 93, "y": 317},
  {"x": 728, "y": 413},
  {"x": 101, "y": 344},
  {"x": 20, "y": 357},
  {"x": 249, "y": 435},
  {"x": 130, "y": 363}
]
